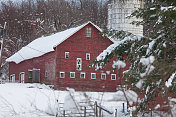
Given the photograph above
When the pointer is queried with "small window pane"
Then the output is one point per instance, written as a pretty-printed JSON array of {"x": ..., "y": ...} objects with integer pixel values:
[
  {"x": 103, "y": 76},
  {"x": 66, "y": 55},
  {"x": 93, "y": 75},
  {"x": 113, "y": 76},
  {"x": 72, "y": 74},
  {"x": 87, "y": 56},
  {"x": 62, "y": 74},
  {"x": 82, "y": 75},
  {"x": 79, "y": 64},
  {"x": 88, "y": 32}
]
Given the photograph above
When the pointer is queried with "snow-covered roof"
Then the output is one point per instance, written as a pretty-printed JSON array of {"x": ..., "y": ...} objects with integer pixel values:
[{"x": 43, "y": 45}]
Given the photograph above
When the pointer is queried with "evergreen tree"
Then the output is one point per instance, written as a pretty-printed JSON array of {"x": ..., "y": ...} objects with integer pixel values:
[{"x": 152, "y": 58}]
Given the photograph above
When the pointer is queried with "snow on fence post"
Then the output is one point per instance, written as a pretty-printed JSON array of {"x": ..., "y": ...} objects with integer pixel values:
[
  {"x": 84, "y": 111},
  {"x": 115, "y": 112}
]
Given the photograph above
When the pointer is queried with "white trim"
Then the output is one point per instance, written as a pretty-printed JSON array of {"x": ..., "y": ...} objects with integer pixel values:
[
  {"x": 86, "y": 56},
  {"x": 79, "y": 65},
  {"x": 12, "y": 78},
  {"x": 35, "y": 69},
  {"x": 102, "y": 76},
  {"x": 61, "y": 73},
  {"x": 22, "y": 80},
  {"x": 84, "y": 75},
  {"x": 112, "y": 75},
  {"x": 92, "y": 74},
  {"x": 66, "y": 55},
  {"x": 71, "y": 73}
]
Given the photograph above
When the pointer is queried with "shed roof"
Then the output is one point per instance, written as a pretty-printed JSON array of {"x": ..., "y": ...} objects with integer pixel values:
[{"x": 44, "y": 45}]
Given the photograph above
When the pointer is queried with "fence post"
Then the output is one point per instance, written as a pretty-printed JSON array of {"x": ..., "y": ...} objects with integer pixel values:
[
  {"x": 115, "y": 112},
  {"x": 64, "y": 113},
  {"x": 96, "y": 110},
  {"x": 99, "y": 111},
  {"x": 84, "y": 111},
  {"x": 123, "y": 107}
]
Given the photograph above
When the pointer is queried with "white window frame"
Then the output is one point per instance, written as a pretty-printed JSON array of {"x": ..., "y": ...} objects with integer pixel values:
[
  {"x": 102, "y": 76},
  {"x": 84, "y": 75},
  {"x": 46, "y": 74},
  {"x": 87, "y": 54},
  {"x": 71, "y": 75},
  {"x": 88, "y": 32},
  {"x": 79, "y": 64},
  {"x": 66, "y": 54},
  {"x": 11, "y": 78},
  {"x": 93, "y": 74},
  {"x": 62, "y": 73},
  {"x": 112, "y": 75}
]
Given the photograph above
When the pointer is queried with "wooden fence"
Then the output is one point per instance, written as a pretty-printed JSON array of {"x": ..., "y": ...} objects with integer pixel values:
[{"x": 91, "y": 110}]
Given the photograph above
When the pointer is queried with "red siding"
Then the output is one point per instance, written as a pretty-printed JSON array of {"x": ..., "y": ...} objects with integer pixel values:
[
  {"x": 35, "y": 63},
  {"x": 54, "y": 62},
  {"x": 77, "y": 46}
]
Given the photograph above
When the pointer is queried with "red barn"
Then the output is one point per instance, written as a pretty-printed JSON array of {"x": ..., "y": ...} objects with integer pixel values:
[{"x": 63, "y": 58}]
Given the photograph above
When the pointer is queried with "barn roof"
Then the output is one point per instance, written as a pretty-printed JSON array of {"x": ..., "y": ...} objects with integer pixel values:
[{"x": 44, "y": 45}]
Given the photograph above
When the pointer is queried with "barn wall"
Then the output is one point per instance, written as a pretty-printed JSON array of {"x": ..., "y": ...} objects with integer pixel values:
[
  {"x": 77, "y": 46},
  {"x": 35, "y": 63},
  {"x": 54, "y": 62}
]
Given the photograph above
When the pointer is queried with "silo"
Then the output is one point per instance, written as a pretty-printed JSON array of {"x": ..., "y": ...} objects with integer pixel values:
[{"x": 118, "y": 10}]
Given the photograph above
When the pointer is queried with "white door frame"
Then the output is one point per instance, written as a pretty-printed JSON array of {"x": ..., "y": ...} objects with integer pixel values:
[
  {"x": 12, "y": 78},
  {"x": 22, "y": 78}
]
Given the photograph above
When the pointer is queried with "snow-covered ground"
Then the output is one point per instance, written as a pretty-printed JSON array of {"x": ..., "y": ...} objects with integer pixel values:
[{"x": 35, "y": 100}]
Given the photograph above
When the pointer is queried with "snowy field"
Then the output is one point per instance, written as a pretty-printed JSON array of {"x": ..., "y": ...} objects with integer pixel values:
[{"x": 36, "y": 100}]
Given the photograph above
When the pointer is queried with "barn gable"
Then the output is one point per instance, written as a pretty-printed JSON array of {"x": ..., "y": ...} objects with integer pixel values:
[{"x": 45, "y": 45}]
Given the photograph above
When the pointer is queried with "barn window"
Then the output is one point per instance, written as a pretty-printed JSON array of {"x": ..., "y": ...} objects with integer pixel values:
[
  {"x": 82, "y": 75},
  {"x": 66, "y": 55},
  {"x": 72, "y": 74},
  {"x": 88, "y": 32},
  {"x": 62, "y": 74},
  {"x": 12, "y": 78},
  {"x": 46, "y": 74},
  {"x": 103, "y": 76},
  {"x": 87, "y": 56},
  {"x": 30, "y": 74},
  {"x": 79, "y": 64},
  {"x": 113, "y": 76},
  {"x": 93, "y": 75}
]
